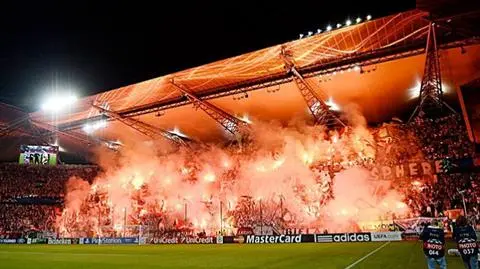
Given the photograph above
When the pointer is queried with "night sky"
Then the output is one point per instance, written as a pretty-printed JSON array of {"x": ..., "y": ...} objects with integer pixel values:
[{"x": 90, "y": 48}]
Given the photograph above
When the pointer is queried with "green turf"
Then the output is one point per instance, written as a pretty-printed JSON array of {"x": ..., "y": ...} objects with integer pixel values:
[{"x": 395, "y": 255}]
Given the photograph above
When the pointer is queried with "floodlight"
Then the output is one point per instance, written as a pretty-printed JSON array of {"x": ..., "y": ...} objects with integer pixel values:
[
  {"x": 57, "y": 103},
  {"x": 92, "y": 127}
]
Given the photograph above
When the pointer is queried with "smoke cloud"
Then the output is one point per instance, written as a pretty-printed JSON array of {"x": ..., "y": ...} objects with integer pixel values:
[{"x": 293, "y": 176}]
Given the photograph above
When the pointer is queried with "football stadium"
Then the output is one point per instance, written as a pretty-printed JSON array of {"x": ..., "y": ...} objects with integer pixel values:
[{"x": 353, "y": 146}]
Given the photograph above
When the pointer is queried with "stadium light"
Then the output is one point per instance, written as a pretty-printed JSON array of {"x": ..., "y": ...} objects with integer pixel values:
[
  {"x": 246, "y": 119},
  {"x": 369, "y": 17},
  {"x": 177, "y": 131},
  {"x": 333, "y": 106},
  {"x": 348, "y": 22},
  {"x": 58, "y": 103},
  {"x": 92, "y": 127},
  {"x": 414, "y": 92},
  {"x": 329, "y": 28},
  {"x": 358, "y": 20}
]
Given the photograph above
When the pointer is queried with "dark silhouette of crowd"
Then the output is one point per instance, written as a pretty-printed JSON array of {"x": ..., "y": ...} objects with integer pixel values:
[
  {"x": 445, "y": 139},
  {"x": 32, "y": 195}
]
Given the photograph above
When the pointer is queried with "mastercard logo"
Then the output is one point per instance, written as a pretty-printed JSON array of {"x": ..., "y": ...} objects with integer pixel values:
[{"x": 239, "y": 239}]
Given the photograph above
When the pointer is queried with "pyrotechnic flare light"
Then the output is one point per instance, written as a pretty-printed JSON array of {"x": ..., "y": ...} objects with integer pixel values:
[
  {"x": 401, "y": 205},
  {"x": 137, "y": 182},
  {"x": 310, "y": 33},
  {"x": 357, "y": 68},
  {"x": 210, "y": 177},
  {"x": 416, "y": 183},
  {"x": 348, "y": 22},
  {"x": 319, "y": 31},
  {"x": 369, "y": 17},
  {"x": 358, "y": 20},
  {"x": 339, "y": 25},
  {"x": 300, "y": 36},
  {"x": 278, "y": 163},
  {"x": 226, "y": 164},
  {"x": 329, "y": 28},
  {"x": 58, "y": 103}
]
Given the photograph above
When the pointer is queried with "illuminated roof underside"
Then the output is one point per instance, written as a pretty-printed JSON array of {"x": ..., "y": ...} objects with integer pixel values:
[{"x": 376, "y": 65}]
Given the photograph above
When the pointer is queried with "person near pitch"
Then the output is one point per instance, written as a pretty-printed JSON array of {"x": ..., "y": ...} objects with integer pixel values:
[
  {"x": 467, "y": 245},
  {"x": 433, "y": 238}
]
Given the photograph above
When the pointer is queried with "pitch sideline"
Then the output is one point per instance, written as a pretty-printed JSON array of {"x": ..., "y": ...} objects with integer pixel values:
[{"x": 368, "y": 255}]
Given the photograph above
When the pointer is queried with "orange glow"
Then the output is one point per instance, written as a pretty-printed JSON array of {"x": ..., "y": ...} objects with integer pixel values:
[
  {"x": 226, "y": 164},
  {"x": 307, "y": 158},
  {"x": 137, "y": 182},
  {"x": 209, "y": 177}
]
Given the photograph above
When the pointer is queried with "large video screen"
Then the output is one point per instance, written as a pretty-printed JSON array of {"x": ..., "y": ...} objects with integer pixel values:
[{"x": 38, "y": 155}]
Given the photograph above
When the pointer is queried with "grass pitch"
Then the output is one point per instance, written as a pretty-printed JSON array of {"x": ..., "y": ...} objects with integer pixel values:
[{"x": 404, "y": 255}]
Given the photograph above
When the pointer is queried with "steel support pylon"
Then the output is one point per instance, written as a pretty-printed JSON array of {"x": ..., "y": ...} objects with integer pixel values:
[
  {"x": 321, "y": 112},
  {"x": 431, "y": 92},
  {"x": 142, "y": 127},
  {"x": 53, "y": 131},
  {"x": 230, "y": 123}
]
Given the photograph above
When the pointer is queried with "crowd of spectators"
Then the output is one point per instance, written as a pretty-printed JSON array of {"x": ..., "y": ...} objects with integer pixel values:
[
  {"x": 18, "y": 218},
  {"x": 31, "y": 195},
  {"x": 422, "y": 139},
  {"x": 38, "y": 180},
  {"x": 441, "y": 139}
]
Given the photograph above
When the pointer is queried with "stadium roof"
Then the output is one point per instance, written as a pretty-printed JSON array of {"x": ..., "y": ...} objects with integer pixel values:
[{"x": 375, "y": 64}]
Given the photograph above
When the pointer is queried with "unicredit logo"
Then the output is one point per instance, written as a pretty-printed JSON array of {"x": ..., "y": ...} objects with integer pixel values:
[
  {"x": 197, "y": 240},
  {"x": 172, "y": 240},
  {"x": 272, "y": 239},
  {"x": 352, "y": 237}
]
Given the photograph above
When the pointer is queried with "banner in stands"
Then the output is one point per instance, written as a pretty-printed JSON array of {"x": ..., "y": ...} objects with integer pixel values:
[
  {"x": 386, "y": 236},
  {"x": 414, "y": 169},
  {"x": 184, "y": 240},
  {"x": 109, "y": 241},
  {"x": 40, "y": 155},
  {"x": 376, "y": 226},
  {"x": 245, "y": 231},
  {"x": 302, "y": 231}
]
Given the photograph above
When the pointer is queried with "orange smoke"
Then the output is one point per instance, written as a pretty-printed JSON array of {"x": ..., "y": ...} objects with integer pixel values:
[{"x": 294, "y": 174}]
